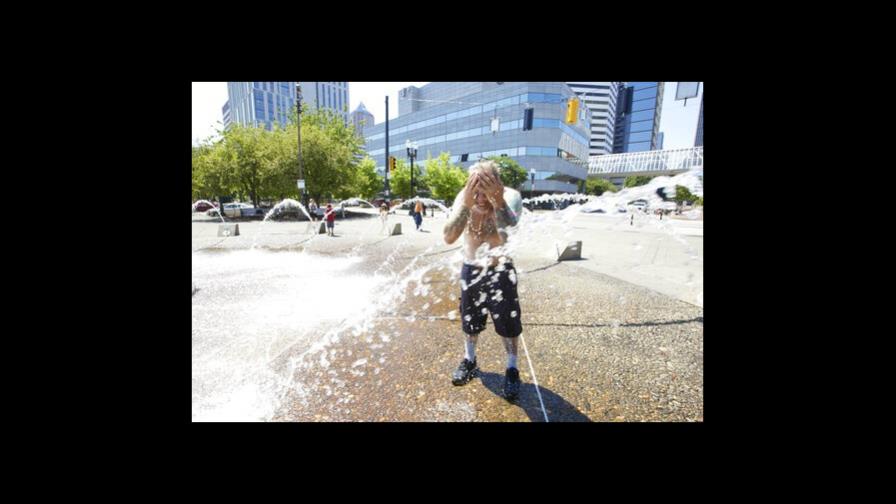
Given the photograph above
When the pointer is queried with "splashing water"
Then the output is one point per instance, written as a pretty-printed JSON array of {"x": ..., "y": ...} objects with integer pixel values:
[
  {"x": 268, "y": 309},
  {"x": 213, "y": 207}
]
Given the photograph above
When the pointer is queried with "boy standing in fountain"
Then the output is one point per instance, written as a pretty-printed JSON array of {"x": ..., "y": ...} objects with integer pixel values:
[
  {"x": 330, "y": 215},
  {"x": 482, "y": 211}
]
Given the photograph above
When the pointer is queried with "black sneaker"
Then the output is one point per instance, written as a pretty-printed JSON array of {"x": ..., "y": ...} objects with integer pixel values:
[
  {"x": 465, "y": 372},
  {"x": 512, "y": 384}
]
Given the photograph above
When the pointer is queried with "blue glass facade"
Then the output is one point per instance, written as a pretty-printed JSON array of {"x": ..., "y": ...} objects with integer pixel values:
[
  {"x": 261, "y": 103},
  {"x": 557, "y": 151},
  {"x": 327, "y": 95},
  {"x": 698, "y": 140},
  {"x": 638, "y": 117}
]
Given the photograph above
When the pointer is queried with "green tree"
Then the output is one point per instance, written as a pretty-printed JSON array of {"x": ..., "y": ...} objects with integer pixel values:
[
  {"x": 247, "y": 160},
  {"x": 598, "y": 186},
  {"x": 367, "y": 182},
  {"x": 512, "y": 174},
  {"x": 400, "y": 179},
  {"x": 329, "y": 153},
  {"x": 263, "y": 165},
  {"x": 211, "y": 176},
  {"x": 684, "y": 195},
  {"x": 443, "y": 178},
  {"x": 635, "y": 181}
]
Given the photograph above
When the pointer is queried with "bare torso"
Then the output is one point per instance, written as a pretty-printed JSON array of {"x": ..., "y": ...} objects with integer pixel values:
[{"x": 482, "y": 228}]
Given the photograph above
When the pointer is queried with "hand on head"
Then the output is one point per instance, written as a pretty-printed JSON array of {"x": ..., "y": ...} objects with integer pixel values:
[{"x": 491, "y": 185}]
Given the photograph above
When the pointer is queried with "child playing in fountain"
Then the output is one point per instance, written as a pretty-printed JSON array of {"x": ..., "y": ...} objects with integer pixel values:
[
  {"x": 482, "y": 212},
  {"x": 330, "y": 215}
]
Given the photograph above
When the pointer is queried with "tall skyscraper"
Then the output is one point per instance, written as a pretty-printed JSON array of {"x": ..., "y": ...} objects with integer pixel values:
[
  {"x": 225, "y": 111},
  {"x": 361, "y": 118},
  {"x": 602, "y": 99},
  {"x": 327, "y": 95},
  {"x": 260, "y": 103},
  {"x": 698, "y": 140},
  {"x": 638, "y": 117}
]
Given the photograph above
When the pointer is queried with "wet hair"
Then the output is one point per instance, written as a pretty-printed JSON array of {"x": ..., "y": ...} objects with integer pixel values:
[{"x": 487, "y": 165}]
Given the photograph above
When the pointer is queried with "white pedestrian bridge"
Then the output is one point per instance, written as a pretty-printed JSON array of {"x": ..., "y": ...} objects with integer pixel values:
[{"x": 616, "y": 167}]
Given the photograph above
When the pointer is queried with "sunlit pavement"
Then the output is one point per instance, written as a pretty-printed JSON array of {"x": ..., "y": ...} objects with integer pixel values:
[{"x": 611, "y": 337}]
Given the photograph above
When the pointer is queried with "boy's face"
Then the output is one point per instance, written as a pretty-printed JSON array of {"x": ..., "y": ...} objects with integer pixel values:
[
  {"x": 479, "y": 196},
  {"x": 481, "y": 200}
]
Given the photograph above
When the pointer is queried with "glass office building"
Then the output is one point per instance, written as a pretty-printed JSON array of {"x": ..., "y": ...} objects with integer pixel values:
[
  {"x": 638, "y": 116},
  {"x": 473, "y": 120}
]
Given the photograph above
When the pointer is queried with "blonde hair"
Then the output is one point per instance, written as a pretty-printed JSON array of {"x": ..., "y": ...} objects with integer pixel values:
[{"x": 486, "y": 165}]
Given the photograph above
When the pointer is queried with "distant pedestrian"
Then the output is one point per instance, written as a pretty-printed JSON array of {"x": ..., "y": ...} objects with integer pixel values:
[
  {"x": 330, "y": 215},
  {"x": 384, "y": 216},
  {"x": 312, "y": 207},
  {"x": 418, "y": 214}
]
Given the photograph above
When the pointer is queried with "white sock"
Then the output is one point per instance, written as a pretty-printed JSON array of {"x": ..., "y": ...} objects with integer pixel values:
[
  {"x": 511, "y": 360},
  {"x": 470, "y": 351}
]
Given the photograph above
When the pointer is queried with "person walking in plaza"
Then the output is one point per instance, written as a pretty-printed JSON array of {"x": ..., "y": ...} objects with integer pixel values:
[{"x": 418, "y": 214}]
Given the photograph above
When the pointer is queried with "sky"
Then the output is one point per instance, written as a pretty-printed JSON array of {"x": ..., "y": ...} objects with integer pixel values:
[{"x": 677, "y": 120}]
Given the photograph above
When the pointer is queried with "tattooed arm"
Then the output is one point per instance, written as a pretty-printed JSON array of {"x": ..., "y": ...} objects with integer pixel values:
[
  {"x": 508, "y": 208},
  {"x": 456, "y": 224},
  {"x": 460, "y": 211}
]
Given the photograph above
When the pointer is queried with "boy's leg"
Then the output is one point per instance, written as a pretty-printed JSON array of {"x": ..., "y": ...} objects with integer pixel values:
[
  {"x": 470, "y": 347},
  {"x": 472, "y": 322},
  {"x": 505, "y": 308},
  {"x": 468, "y": 369},
  {"x": 511, "y": 346}
]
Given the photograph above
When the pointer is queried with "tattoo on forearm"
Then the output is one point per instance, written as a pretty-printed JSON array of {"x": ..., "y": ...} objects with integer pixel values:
[
  {"x": 506, "y": 217},
  {"x": 457, "y": 220}
]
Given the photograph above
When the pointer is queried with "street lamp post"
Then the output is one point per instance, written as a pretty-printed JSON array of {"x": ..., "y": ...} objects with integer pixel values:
[
  {"x": 532, "y": 185},
  {"x": 412, "y": 153},
  {"x": 386, "y": 171},
  {"x": 299, "y": 135}
]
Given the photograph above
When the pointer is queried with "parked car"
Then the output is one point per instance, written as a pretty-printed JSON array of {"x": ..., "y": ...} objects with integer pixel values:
[
  {"x": 639, "y": 204},
  {"x": 203, "y": 206},
  {"x": 233, "y": 210}
]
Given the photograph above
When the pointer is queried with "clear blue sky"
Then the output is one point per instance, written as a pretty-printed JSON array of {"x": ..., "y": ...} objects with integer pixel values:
[{"x": 677, "y": 121}]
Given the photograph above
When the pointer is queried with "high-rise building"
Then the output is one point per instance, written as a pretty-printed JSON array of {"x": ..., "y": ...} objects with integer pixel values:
[
  {"x": 638, "y": 116},
  {"x": 327, "y": 95},
  {"x": 473, "y": 120},
  {"x": 266, "y": 103},
  {"x": 225, "y": 111},
  {"x": 698, "y": 140},
  {"x": 260, "y": 103},
  {"x": 361, "y": 118},
  {"x": 602, "y": 99}
]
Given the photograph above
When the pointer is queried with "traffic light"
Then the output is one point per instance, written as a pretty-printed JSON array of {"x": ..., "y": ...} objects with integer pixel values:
[
  {"x": 527, "y": 118},
  {"x": 572, "y": 109},
  {"x": 391, "y": 164}
]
